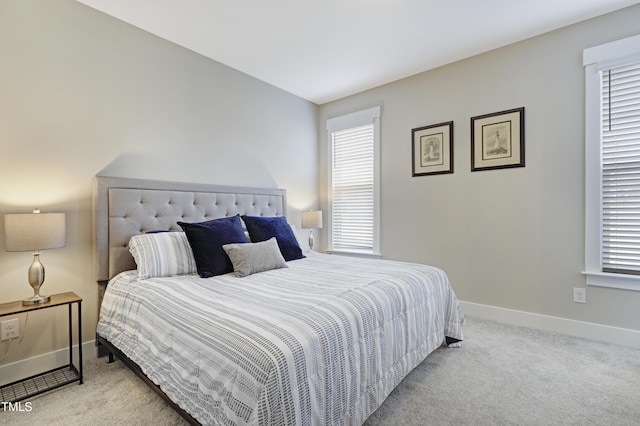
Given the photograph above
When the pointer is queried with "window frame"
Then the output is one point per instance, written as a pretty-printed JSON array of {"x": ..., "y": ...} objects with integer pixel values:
[
  {"x": 356, "y": 119},
  {"x": 594, "y": 60}
]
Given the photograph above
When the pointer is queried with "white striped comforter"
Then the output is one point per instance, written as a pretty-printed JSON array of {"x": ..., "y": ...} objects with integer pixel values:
[{"x": 322, "y": 342}]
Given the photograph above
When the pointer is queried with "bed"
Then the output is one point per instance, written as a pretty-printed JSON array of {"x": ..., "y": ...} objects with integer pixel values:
[{"x": 284, "y": 337}]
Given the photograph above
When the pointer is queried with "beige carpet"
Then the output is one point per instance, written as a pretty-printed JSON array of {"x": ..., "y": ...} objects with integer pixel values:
[
  {"x": 503, "y": 375},
  {"x": 111, "y": 395}
]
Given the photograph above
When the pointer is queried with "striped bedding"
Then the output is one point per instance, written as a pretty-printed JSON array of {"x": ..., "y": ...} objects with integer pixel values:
[{"x": 322, "y": 342}]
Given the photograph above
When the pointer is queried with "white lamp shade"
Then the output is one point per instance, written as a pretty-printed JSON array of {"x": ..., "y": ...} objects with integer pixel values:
[
  {"x": 34, "y": 231},
  {"x": 312, "y": 219}
]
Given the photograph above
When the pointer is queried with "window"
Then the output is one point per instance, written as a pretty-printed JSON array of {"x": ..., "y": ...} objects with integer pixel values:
[
  {"x": 612, "y": 147},
  {"x": 620, "y": 142},
  {"x": 354, "y": 182}
]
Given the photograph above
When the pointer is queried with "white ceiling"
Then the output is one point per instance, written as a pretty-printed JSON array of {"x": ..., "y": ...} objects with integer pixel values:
[{"x": 326, "y": 49}]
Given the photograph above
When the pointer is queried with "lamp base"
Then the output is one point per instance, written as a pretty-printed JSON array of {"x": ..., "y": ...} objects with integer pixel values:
[
  {"x": 35, "y": 300},
  {"x": 36, "y": 278},
  {"x": 311, "y": 240}
]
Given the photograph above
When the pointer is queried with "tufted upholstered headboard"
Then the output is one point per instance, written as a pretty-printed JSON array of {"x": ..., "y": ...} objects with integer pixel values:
[{"x": 124, "y": 207}]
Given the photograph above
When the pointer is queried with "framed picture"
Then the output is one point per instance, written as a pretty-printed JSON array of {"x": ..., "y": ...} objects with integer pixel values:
[
  {"x": 497, "y": 140},
  {"x": 432, "y": 149}
]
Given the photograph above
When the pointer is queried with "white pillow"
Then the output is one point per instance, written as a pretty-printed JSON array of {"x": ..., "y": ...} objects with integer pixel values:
[
  {"x": 162, "y": 254},
  {"x": 295, "y": 232},
  {"x": 250, "y": 258}
]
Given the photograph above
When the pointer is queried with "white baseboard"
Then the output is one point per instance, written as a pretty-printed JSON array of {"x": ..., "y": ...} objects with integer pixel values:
[
  {"x": 18, "y": 370},
  {"x": 587, "y": 330}
]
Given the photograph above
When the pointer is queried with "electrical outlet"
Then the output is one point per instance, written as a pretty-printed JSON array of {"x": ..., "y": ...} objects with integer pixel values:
[
  {"x": 10, "y": 329},
  {"x": 579, "y": 295}
]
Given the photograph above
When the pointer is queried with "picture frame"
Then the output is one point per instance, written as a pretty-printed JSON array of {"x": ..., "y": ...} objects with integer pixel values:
[
  {"x": 432, "y": 149},
  {"x": 497, "y": 140}
]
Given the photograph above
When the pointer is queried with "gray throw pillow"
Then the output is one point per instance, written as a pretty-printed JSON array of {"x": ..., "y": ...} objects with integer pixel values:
[{"x": 250, "y": 258}]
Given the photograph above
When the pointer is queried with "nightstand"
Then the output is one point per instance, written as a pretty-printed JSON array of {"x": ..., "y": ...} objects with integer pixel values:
[{"x": 52, "y": 379}]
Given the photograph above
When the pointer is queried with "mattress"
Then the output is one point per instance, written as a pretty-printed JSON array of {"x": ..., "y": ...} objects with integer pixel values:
[{"x": 321, "y": 342}]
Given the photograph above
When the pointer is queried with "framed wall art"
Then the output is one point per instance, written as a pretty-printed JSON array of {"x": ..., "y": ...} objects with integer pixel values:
[
  {"x": 497, "y": 140},
  {"x": 432, "y": 149}
]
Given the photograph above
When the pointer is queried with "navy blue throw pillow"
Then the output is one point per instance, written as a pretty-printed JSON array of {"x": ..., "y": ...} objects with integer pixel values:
[
  {"x": 206, "y": 240},
  {"x": 264, "y": 228}
]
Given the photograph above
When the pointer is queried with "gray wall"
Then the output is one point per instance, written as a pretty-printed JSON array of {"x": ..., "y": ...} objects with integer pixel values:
[
  {"x": 83, "y": 94},
  {"x": 507, "y": 238}
]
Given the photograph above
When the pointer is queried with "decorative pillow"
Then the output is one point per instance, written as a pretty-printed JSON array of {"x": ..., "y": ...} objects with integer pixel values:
[
  {"x": 295, "y": 232},
  {"x": 264, "y": 228},
  {"x": 162, "y": 254},
  {"x": 206, "y": 240},
  {"x": 250, "y": 258}
]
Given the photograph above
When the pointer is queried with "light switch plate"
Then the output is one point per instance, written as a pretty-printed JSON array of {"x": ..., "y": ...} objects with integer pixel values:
[{"x": 579, "y": 295}]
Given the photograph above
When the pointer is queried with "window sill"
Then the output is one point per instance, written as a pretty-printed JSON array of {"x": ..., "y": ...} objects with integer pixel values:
[
  {"x": 620, "y": 281},
  {"x": 356, "y": 253}
]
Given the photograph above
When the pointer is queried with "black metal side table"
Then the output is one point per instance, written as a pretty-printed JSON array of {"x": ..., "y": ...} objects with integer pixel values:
[{"x": 52, "y": 379}]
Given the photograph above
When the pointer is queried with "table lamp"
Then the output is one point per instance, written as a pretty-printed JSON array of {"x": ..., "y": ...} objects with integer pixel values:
[
  {"x": 311, "y": 219},
  {"x": 34, "y": 232}
]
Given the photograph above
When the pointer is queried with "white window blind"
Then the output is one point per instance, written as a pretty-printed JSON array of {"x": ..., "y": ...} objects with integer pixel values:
[
  {"x": 354, "y": 182},
  {"x": 352, "y": 188},
  {"x": 620, "y": 141}
]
